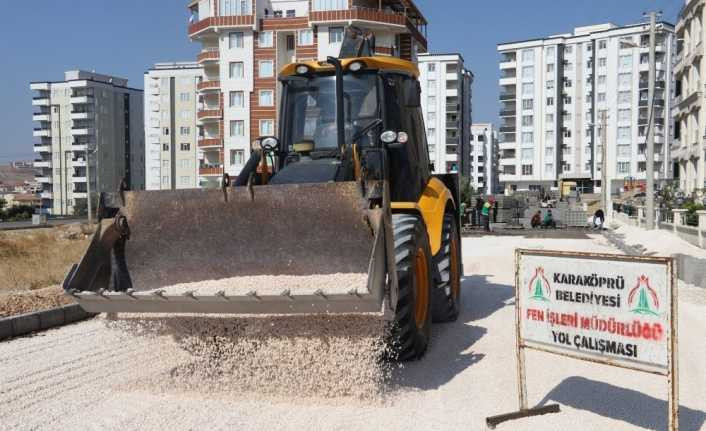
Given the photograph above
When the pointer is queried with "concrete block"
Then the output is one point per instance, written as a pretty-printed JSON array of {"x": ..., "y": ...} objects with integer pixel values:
[
  {"x": 74, "y": 313},
  {"x": 51, "y": 318},
  {"x": 25, "y": 323},
  {"x": 6, "y": 328}
]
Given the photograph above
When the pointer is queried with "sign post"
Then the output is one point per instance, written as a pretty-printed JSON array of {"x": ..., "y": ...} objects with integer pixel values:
[{"x": 609, "y": 309}]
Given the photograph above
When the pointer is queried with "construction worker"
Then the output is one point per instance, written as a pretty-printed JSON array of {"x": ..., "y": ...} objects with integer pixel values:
[{"x": 485, "y": 214}]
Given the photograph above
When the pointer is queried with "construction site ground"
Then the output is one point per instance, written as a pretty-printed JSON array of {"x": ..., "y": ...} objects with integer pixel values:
[{"x": 81, "y": 376}]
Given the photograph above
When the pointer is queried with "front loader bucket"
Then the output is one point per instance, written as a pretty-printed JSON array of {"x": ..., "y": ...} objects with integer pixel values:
[{"x": 264, "y": 250}]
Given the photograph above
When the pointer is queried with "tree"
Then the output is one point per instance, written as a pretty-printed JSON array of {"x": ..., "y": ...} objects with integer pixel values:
[
  {"x": 3, "y": 202},
  {"x": 466, "y": 190}
]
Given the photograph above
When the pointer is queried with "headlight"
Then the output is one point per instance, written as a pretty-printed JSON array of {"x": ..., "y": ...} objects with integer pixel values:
[
  {"x": 356, "y": 66},
  {"x": 269, "y": 143},
  {"x": 302, "y": 69},
  {"x": 388, "y": 137},
  {"x": 402, "y": 137}
]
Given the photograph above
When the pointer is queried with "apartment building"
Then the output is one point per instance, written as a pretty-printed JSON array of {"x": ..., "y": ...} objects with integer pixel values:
[
  {"x": 555, "y": 92},
  {"x": 90, "y": 135},
  {"x": 172, "y": 146},
  {"x": 245, "y": 43},
  {"x": 484, "y": 158},
  {"x": 688, "y": 149},
  {"x": 446, "y": 104}
]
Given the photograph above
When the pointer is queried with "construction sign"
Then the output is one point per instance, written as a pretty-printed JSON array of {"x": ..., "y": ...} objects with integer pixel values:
[{"x": 611, "y": 309}]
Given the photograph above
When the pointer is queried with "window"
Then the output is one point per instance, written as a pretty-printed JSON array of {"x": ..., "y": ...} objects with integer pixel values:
[
  {"x": 235, "y": 40},
  {"x": 165, "y": 163},
  {"x": 550, "y": 84},
  {"x": 166, "y": 131},
  {"x": 567, "y": 167},
  {"x": 527, "y": 153},
  {"x": 549, "y": 118},
  {"x": 624, "y": 79},
  {"x": 329, "y": 4},
  {"x": 431, "y": 117},
  {"x": 624, "y": 97},
  {"x": 527, "y": 137},
  {"x": 601, "y": 97},
  {"x": 527, "y": 103},
  {"x": 528, "y": 72},
  {"x": 549, "y": 152},
  {"x": 431, "y": 67},
  {"x": 185, "y": 147},
  {"x": 237, "y": 128},
  {"x": 589, "y": 47},
  {"x": 186, "y": 163},
  {"x": 235, "y": 7},
  {"x": 567, "y": 83},
  {"x": 623, "y": 150},
  {"x": 549, "y": 168},
  {"x": 602, "y": 62},
  {"x": 566, "y": 117},
  {"x": 549, "y": 137},
  {"x": 431, "y": 103},
  {"x": 567, "y": 100},
  {"x": 185, "y": 180},
  {"x": 568, "y": 66},
  {"x": 550, "y": 53},
  {"x": 236, "y": 99},
  {"x": 291, "y": 13},
  {"x": 266, "y": 69},
  {"x": 624, "y": 115},
  {"x": 165, "y": 147},
  {"x": 235, "y": 69},
  {"x": 335, "y": 34},
  {"x": 184, "y": 97},
  {"x": 528, "y": 55},
  {"x": 527, "y": 89},
  {"x": 550, "y": 101},
  {"x": 165, "y": 180},
  {"x": 267, "y": 127},
  {"x": 624, "y": 132},
  {"x": 568, "y": 49},
  {"x": 527, "y": 120},
  {"x": 625, "y": 61},
  {"x": 526, "y": 169},
  {"x": 623, "y": 167},
  {"x": 431, "y": 134},
  {"x": 601, "y": 79},
  {"x": 185, "y": 115},
  {"x": 265, "y": 39},
  {"x": 567, "y": 133},
  {"x": 431, "y": 84},
  {"x": 602, "y": 44},
  {"x": 550, "y": 68},
  {"x": 306, "y": 37},
  {"x": 237, "y": 157},
  {"x": 185, "y": 131},
  {"x": 266, "y": 98}
]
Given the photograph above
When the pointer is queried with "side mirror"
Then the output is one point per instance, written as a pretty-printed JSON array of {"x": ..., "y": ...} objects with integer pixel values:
[{"x": 412, "y": 93}]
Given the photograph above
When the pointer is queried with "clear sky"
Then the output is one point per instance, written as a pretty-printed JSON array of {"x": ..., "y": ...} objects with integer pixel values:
[{"x": 39, "y": 40}]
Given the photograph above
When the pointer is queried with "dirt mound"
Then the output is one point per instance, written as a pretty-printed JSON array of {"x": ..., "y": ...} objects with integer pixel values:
[{"x": 12, "y": 304}]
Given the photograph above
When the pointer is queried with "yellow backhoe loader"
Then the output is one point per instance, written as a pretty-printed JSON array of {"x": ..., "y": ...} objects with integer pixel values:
[{"x": 346, "y": 187}]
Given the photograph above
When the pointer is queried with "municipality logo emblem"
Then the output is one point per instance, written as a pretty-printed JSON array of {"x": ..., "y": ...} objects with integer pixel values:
[
  {"x": 539, "y": 286},
  {"x": 643, "y": 298}
]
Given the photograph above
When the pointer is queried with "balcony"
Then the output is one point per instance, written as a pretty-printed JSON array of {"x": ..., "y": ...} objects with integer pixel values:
[
  {"x": 507, "y": 129},
  {"x": 208, "y": 86},
  {"x": 42, "y": 163},
  {"x": 40, "y": 101},
  {"x": 508, "y": 96},
  {"x": 46, "y": 195},
  {"x": 41, "y": 132},
  {"x": 452, "y": 107},
  {"x": 82, "y": 99},
  {"x": 209, "y": 142},
  {"x": 81, "y": 115},
  {"x": 81, "y": 131},
  {"x": 210, "y": 170},
  {"x": 78, "y": 162},
  {"x": 79, "y": 195},
  {"x": 78, "y": 178},
  {"x": 208, "y": 56},
  {"x": 43, "y": 180},
  {"x": 508, "y": 113},
  {"x": 210, "y": 114},
  {"x": 42, "y": 148},
  {"x": 216, "y": 23},
  {"x": 452, "y": 124},
  {"x": 41, "y": 117}
]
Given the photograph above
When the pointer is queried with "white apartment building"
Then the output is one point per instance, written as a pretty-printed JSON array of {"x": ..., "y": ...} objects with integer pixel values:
[
  {"x": 172, "y": 148},
  {"x": 446, "y": 104},
  {"x": 688, "y": 149},
  {"x": 554, "y": 92},
  {"x": 90, "y": 137},
  {"x": 484, "y": 158},
  {"x": 244, "y": 45}
]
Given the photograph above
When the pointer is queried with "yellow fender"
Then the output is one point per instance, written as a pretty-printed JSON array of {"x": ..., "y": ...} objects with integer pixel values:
[{"x": 432, "y": 207}]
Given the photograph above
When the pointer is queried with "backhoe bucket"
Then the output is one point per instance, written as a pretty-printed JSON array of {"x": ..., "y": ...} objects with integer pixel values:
[{"x": 281, "y": 249}]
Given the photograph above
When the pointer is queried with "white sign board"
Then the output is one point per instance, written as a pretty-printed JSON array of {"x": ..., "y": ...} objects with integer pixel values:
[{"x": 605, "y": 308}]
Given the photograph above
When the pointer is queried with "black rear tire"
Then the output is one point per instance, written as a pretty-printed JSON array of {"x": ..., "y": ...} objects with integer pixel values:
[
  {"x": 410, "y": 337},
  {"x": 446, "y": 297}
]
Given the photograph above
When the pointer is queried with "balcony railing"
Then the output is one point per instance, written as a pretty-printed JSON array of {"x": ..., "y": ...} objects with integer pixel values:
[
  {"x": 208, "y": 55},
  {"x": 508, "y": 96},
  {"x": 221, "y": 21},
  {"x": 208, "y": 85},
  {"x": 209, "y": 142},
  {"x": 508, "y": 113},
  {"x": 210, "y": 170},
  {"x": 206, "y": 114}
]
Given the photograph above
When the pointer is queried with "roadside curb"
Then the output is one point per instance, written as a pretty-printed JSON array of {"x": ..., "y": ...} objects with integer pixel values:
[{"x": 24, "y": 324}]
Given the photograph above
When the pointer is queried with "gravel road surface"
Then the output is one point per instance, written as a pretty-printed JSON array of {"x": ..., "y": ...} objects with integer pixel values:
[{"x": 93, "y": 376}]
